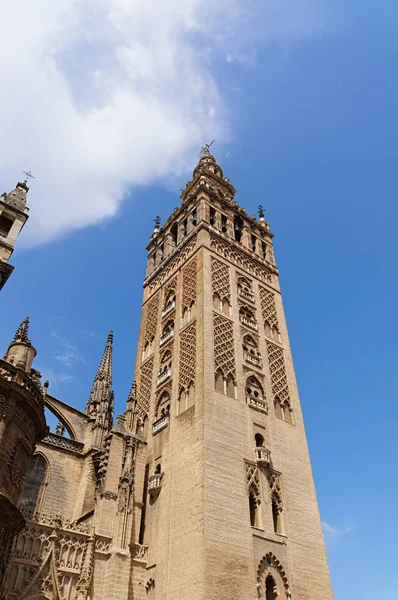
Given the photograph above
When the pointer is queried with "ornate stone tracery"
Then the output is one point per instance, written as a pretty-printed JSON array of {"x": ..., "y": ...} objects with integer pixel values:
[
  {"x": 151, "y": 319},
  {"x": 220, "y": 279},
  {"x": 268, "y": 308},
  {"x": 227, "y": 250},
  {"x": 174, "y": 264},
  {"x": 253, "y": 481},
  {"x": 145, "y": 388},
  {"x": 277, "y": 369},
  {"x": 187, "y": 357},
  {"x": 189, "y": 276},
  {"x": 224, "y": 351},
  {"x": 270, "y": 564}
]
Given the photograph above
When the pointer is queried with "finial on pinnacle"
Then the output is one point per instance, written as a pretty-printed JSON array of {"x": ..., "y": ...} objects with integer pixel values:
[
  {"x": 157, "y": 223},
  {"x": 22, "y": 331},
  {"x": 28, "y": 176},
  {"x": 205, "y": 151},
  {"x": 260, "y": 209}
]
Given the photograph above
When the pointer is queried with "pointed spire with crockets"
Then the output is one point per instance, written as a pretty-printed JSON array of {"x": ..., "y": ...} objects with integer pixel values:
[
  {"x": 100, "y": 402},
  {"x": 22, "y": 332}
]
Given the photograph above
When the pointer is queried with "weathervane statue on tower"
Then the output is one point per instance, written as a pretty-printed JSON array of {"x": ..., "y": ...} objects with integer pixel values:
[{"x": 205, "y": 151}]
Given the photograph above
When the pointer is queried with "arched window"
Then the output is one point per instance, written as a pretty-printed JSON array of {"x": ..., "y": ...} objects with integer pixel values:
[
  {"x": 253, "y": 390},
  {"x": 230, "y": 386},
  {"x": 270, "y": 588},
  {"x": 267, "y": 329},
  {"x": 253, "y": 509},
  {"x": 226, "y": 308},
  {"x": 275, "y": 333},
  {"x": 219, "y": 381},
  {"x": 35, "y": 483},
  {"x": 216, "y": 301},
  {"x": 238, "y": 228},
  {"x": 278, "y": 408},
  {"x": 276, "y": 517},
  {"x": 163, "y": 405},
  {"x": 259, "y": 440}
]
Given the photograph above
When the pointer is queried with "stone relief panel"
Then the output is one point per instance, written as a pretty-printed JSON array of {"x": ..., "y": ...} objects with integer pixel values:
[
  {"x": 50, "y": 558},
  {"x": 220, "y": 279},
  {"x": 224, "y": 351},
  {"x": 277, "y": 369}
]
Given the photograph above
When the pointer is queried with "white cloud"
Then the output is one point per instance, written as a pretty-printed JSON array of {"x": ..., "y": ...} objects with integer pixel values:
[
  {"x": 101, "y": 96},
  {"x": 333, "y": 533},
  {"x": 68, "y": 354}
]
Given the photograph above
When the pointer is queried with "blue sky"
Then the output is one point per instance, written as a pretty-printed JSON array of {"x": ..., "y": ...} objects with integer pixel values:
[{"x": 301, "y": 99}]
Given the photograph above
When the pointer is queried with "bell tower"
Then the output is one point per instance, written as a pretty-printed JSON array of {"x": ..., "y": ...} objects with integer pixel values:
[
  {"x": 229, "y": 509},
  {"x": 13, "y": 216}
]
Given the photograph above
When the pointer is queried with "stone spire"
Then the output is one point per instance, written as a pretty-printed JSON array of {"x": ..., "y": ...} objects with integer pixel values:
[
  {"x": 22, "y": 332},
  {"x": 21, "y": 352},
  {"x": 101, "y": 401}
]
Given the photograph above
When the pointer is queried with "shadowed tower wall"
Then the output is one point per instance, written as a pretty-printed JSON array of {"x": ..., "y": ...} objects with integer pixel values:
[{"x": 228, "y": 505}]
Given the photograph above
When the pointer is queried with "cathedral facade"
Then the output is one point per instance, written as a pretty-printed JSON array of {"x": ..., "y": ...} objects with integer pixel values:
[{"x": 202, "y": 488}]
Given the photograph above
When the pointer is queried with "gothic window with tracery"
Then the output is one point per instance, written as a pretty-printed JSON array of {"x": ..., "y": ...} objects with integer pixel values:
[
  {"x": 35, "y": 483},
  {"x": 253, "y": 491}
]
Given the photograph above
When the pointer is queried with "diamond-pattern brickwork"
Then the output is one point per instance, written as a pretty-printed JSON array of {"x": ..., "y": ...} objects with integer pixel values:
[
  {"x": 187, "y": 357},
  {"x": 189, "y": 275},
  {"x": 145, "y": 387},
  {"x": 241, "y": 259},
  {"x": 277, "y": 370},
  {"x": 268, "y": 307},
  {"x": 151, "y": 319},
  {"x": 224, "y": 352},
  {"x": 220, "y": 279}
]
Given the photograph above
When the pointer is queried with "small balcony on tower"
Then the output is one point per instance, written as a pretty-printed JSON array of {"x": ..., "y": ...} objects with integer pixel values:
[
  {"x": 263, "y": 455},
  {"x": 155, "y": 483},
  {"x": 245, "y": 289},
  {"x": 168, "y": 308},
  {"x": 168, "y": 333},
  {"x": 163, "y": 375},
  {"x": 247, "y": 318}
]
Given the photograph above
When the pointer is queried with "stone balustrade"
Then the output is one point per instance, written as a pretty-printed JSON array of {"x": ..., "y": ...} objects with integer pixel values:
[
  {"x": 166, "y": 336},
  {"x": 249, "y": 323},
  {"x": 160, "y": 424},
  {"x": 63, "y": 442},
  {"x": 263, "y": 455},
  {"x": 155, "y": 484},
  {"x": 167, "y": 309},
  {"x": 257, "y": 403},
  {"x": 163, "y": 375}
]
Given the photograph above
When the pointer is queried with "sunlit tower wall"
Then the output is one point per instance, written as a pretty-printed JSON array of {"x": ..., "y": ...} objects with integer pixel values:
[{"x": 227, "y": 508}]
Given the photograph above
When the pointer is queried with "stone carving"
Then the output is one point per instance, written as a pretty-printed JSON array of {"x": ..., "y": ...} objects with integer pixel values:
[
  {"x": 270, "y": 561},
  {"x": 18, "y": 461},
  {"x": 189, "y": 275},
  {"x": 145, "y": 388},
  {"x": 63, "y": 442},
  {"x": 140, "y": 552},
  {"x": 174, "y": 264},
  {"x": 277, "y": 370},
  {"x": 275, "y": 485},
  {"x": 268, "y": 308},
  {"x": 253, "y": 481},
  {"x": 49, "y": 559},
  {"x": 151, "y": 319},
  {"x": 224, "y": 353},
  {"x": 241, "y": 259},
  {"x": 220, "y": 279},
  {"x": 187, "y": 357}
]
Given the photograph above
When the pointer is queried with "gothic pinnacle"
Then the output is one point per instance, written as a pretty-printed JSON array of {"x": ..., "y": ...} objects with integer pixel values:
[
  {"x": 101, "y": 390},
  {"x": 21, "y": 334}
]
